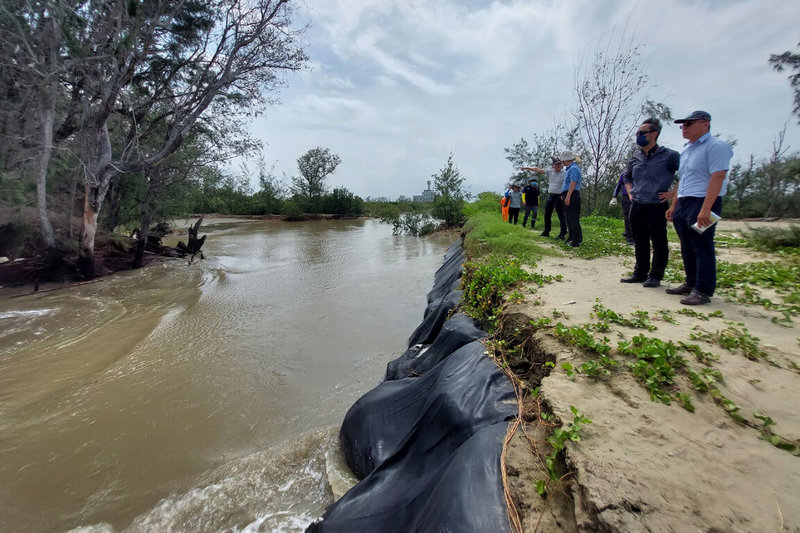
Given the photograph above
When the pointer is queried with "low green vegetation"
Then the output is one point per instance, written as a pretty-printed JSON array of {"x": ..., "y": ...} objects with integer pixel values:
[
  {"x": 602, "y": 236},
  {"x": 785, "y": 240},
  {"x": 503, "y": 257},
  {"x": 558, "y": 440},
  {"x": 487, "y": 233},
  {"x": 488, "y": 281},
  {"x": 659, "y": 365}
]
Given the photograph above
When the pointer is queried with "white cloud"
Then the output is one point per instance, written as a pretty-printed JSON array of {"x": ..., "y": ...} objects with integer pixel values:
[{"x": 396, "y": 85}]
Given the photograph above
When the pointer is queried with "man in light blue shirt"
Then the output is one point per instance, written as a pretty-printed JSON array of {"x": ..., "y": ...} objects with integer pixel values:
[
  {"x": 571, "y": 195},
  {"x": 704, "y": 165}
]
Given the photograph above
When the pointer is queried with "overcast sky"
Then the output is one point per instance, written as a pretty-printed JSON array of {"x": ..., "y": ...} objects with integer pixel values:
[{"x": 396, "y": 85}]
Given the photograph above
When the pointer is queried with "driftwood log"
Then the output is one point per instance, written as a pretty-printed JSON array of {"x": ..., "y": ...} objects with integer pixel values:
[{"x": 195, "y": 243}]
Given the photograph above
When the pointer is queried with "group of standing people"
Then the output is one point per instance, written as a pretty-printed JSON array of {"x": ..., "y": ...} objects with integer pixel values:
[
  {"x": 648, "y": 181},
  {"x": 563, "y": 197},
  {"x": 649, "y": 201}
]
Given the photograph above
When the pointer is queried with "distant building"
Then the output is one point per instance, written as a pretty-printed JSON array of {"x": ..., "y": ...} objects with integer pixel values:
[{"x": 426, "y": 196}]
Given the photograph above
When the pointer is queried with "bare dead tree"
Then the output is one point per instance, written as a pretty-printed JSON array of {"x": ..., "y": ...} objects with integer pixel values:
[
  {"x": 608, "y": 88},
  {"x": 774, "y": 176}
]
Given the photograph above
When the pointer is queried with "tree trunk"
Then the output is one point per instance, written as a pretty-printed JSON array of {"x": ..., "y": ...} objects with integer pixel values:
[
  {"x": 46, "y": 119},
  {"x": 111, "y": 216},
  {"x": 96, "y": 187},
  {"x": 73, "y": 194},
  {"x": 141, "y": 244},
  {"x": 88, "y": 232},
  {"x": 144, "y": 219}
]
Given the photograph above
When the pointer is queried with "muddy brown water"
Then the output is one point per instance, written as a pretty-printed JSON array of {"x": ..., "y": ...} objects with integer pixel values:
[{"x": 203, "y": 397}]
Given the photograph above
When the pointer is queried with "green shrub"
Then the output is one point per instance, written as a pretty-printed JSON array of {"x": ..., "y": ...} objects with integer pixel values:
[{"x": 774, "y": 239}]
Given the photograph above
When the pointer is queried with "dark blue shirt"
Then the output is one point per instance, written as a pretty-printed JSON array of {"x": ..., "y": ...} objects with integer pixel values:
[
  {"x": 531, "y": 193},
  {"x": 652, "y": 173}
]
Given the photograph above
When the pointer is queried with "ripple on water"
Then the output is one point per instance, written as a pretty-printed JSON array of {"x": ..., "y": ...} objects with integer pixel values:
[{"x": 282, "y": 489}]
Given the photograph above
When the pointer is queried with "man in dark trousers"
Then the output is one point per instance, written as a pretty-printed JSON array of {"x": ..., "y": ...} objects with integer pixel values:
[
  {"x": 705, "y": 162},
  {"x": 625, "y": 204},
  {"x": 648, "y": 179},
  {"x": 571, "y": 197},
  {"x": 555, "y": 178},
  {"x": 531, "y": 192}
]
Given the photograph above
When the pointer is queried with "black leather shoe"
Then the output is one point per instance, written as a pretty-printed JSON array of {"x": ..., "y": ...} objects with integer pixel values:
[
  {"x": 544, "y": 234},
  {"x": 681, "y": 289},
  {"x": 632, "y": 279},
  {"x": 561, "y": 237},
  {"x": 652, "y": 282},
  {"x": 695, "y": 298}
]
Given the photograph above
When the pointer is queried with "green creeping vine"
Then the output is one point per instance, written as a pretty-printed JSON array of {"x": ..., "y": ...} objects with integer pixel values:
[
  {"x": 557, "y": 441},
  {"x": 732, "y": 338},
  {"x": 639, "y": 319},
  {"x": 772, "y": 438},
  {"x": 701, "y": 355},
  {"x": 655, "y": 364},
  {"x": 702, "y": 316},
  {"x": 578, "y": 336},
  {"x": 738, "y": 283}
]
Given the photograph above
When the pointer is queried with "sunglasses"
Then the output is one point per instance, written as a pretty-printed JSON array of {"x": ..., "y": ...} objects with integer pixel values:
[
  {"x": 644, "y": 132},
  {"x": 689, "y": 123}
]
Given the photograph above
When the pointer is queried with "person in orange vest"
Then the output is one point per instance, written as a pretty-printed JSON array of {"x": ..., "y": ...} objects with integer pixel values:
[{"x": 504, "y": 208}]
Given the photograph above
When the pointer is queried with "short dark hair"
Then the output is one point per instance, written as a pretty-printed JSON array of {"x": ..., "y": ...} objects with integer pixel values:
[{"x": 655, "y": 124}]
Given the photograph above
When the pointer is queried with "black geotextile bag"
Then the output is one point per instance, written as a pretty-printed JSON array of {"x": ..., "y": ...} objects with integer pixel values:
[
  {"x": 461, "y": 494},
  {"x": 435, "y": 316},
  {"x": 428, "y": 449},
  {"x": 448, "y": 277},
  {"x": 450, "y": 336},
  {"x": 426, "y": 443}
]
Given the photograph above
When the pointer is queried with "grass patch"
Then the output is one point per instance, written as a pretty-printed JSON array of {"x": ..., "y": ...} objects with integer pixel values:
[
  {"x": 601, "y": 236},
  {"x": 488, "y": 233}
]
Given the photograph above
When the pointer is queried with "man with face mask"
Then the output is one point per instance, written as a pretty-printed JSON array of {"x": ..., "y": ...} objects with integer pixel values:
[
  {"x": 531, "y": 192},
  {"x": 648, "y": 179}
]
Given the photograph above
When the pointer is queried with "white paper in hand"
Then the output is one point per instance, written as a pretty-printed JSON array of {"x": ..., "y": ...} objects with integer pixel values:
[{"x": 714, "y": 219}]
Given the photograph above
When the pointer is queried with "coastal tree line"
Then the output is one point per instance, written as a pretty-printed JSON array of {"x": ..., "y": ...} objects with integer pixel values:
[{"x": 101, "y": 100}]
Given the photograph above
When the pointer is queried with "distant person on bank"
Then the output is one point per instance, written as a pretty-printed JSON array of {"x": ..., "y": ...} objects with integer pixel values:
[
  {"x": 571, "y": 196},
  {"x": 555, "y": 179},
  {"x": 625, "y": 203},
  {"x": 705, "y": 162},
  {"x": 514, "y": 197},
  {"x": 531, "y": 197},
  {"x": 648, "y": 179}
]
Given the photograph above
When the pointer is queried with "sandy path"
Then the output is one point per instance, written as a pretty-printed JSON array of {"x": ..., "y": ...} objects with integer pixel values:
[{"x": 646, "y": 466}]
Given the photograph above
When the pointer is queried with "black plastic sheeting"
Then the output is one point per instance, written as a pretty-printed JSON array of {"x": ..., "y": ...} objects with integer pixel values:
[
  {"x": 452, "y": 335},
  {"x": 426, "y": 443}
]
